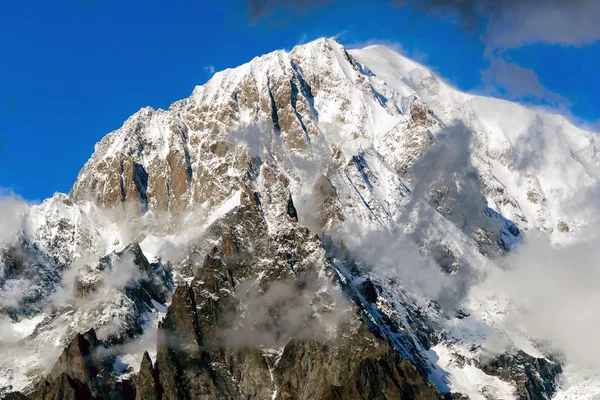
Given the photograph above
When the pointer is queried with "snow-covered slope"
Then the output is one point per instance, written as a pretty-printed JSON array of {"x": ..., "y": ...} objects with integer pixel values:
[
  {"x": 533, "y": 163},
  {"x": 413, "y": 187}
]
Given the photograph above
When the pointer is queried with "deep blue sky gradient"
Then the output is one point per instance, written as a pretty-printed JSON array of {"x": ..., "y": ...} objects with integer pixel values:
[{"x": 73, "y": 70}]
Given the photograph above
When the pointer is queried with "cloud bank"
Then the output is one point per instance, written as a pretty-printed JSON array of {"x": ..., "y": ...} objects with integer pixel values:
[
  {"x": 554, "y": 296},
  {"x": 501, "y": 23},
  {"x": 508, "y": 79}
]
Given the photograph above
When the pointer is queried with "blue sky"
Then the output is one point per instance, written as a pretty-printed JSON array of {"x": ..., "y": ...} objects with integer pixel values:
[{"x": 74, "y": 70}]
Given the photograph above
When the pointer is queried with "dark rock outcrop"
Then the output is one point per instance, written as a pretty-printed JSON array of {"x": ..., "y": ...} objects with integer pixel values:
[
  {"x": 64, "y": 387},
  {"x": 84, "y": 370},
  {"x": 23, "y": 261},
  {"x": 146, "y": 382},
  {"x": 534, "y": 378},
  {"x": 80, "y": 360},
  {"x": 14, "y": 396},
  {"x": 356, "y": 369}
]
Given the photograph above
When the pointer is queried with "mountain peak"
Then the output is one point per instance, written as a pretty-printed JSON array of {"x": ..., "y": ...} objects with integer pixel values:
[
  {"x": 315, "y": 101},
  {"x": 356, "y": 182}
]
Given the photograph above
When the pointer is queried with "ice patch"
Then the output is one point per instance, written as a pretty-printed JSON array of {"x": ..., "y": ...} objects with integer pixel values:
[
  {"x": 26, "y": 327},
  {"x": 232, "y": 202}
]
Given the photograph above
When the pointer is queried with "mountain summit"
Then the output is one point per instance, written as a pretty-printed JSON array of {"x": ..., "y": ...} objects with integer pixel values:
[{"x": 314, "y": 224}]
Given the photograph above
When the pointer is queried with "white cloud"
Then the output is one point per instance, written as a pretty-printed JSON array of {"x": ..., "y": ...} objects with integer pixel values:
[
  {"x": 509, "y": 80},
  {"x": 12, "y": 212},
  {"x": 210, "y": 69}
]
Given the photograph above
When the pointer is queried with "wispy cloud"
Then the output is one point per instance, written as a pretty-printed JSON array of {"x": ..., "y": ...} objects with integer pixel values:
[
  {"x": 210, "y": 69},
  {"x": 554, "y": 295},
  {"x": 414, "y": 54},
  {"x": 12, "y": 212},
  {"x": 507, "y": 79}
]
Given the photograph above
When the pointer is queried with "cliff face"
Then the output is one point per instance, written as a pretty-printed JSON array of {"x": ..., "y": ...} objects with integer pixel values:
[{"x": 304, "y": 226}]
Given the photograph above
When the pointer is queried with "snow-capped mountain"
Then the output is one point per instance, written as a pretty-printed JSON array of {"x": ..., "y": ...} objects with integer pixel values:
[{"x": 313, "y": 224}]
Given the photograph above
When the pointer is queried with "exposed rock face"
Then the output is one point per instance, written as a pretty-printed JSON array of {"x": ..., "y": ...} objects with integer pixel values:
[
  {"x": 79, "y": 360},
  {"x": 124, "y": 176},
  {"x": 311, "y": 370},
  {"x": 83, "y": 371},
  {"x": 64, "y": 388},
  {"x": 181, "y": 369},
  {"x": 266, "y": 210},
  {"x": 535, "y": 378},
  {"x": 146, "y": 383},
  {"x": 194, "y": 360},
  {"x": 24, "y": 263},
  {"x": 14, "y": 396}
]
